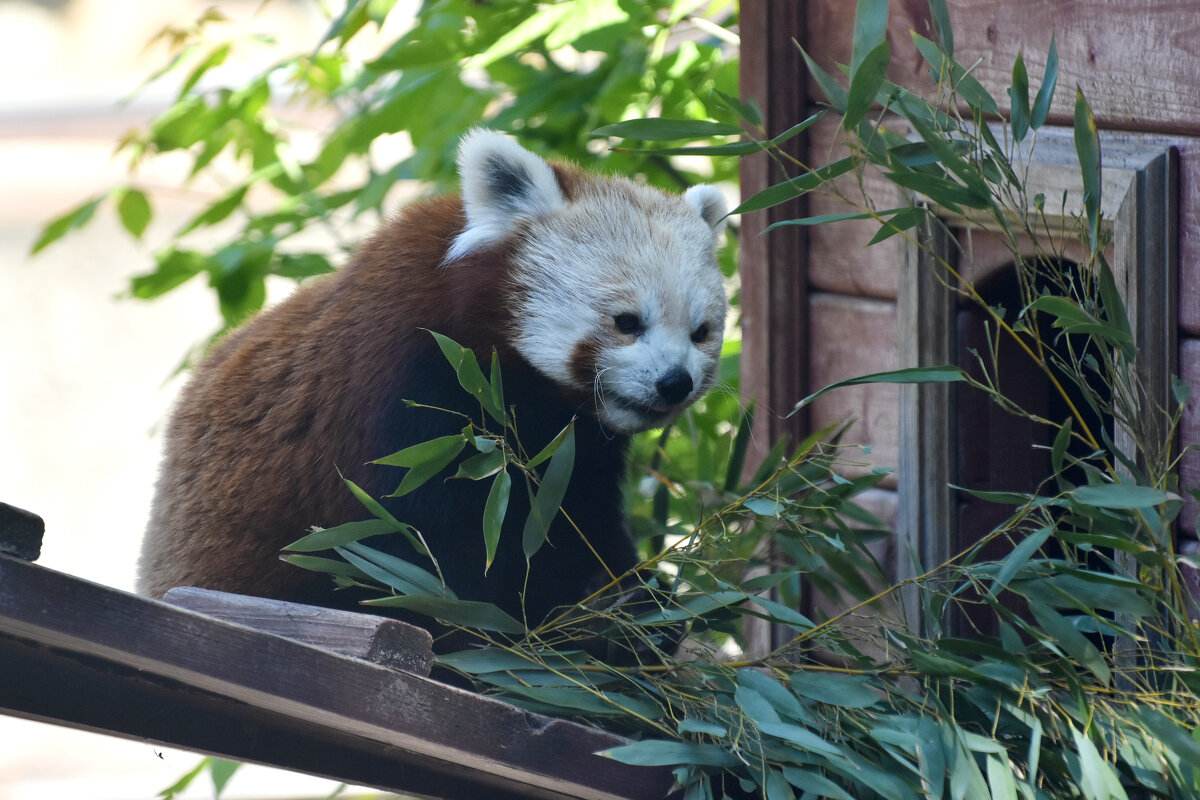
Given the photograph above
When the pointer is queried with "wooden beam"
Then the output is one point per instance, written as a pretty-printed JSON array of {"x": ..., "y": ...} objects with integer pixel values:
[
  {"x": 380, "y": 640},
  {"x": 82, "y": 655},
  {"x": 773, "y": 266}
]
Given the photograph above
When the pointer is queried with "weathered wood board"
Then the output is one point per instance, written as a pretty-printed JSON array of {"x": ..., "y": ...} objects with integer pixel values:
[
  {"x": 853, "y": 336},
  {"x": 380, "y": 640},
  {"x": 86, "y": 656}
]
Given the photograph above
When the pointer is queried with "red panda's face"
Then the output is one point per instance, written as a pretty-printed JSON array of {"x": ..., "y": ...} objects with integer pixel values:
[{"x": 617, "y": 295}]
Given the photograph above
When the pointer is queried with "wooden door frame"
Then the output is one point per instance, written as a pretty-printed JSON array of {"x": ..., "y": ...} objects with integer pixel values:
[{"x": 1140, "y": 205}]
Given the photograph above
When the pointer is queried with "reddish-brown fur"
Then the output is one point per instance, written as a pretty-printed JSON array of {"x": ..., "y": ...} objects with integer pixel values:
[{"x": 261, "y": 410}]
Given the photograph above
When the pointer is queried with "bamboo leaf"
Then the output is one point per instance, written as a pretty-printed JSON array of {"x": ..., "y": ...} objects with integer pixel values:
[
  {"x": 865, "y": 82},
  {"x": 1120, "y": 496},
  {"x": 941, "y": 374},
  {"x": 329, "y": 566},
  {"x": 748, "y": 110},
  {"x": 834, "y": 93},
  {"x": 329, "y": 538},
  {"x": 1019, "y": 95},
  {"x": 1045, "y": 95},
  {"x": 814, "y": 784},
  {"x": 1087, "y": 146},
  {"x": 944, "y": 66},
  {"x": 825, "y": 219},
  {"x": 942, "y": 28},
  {"x": 482, "y": 465},
  {"x": 688, "y": 725},
  {"x": 870, "y": 29},
  {"x": 774, "y": 692},
  {"x": 787, "y": 190},
  {"x": 901, "y": 221},
  {"x": 1020, "y": 555},
  {"x": 494, "y": 511},
  {"x": 836, "y": 690},
  {"x": 467, "y": 613},
  {"x": 544, "y": 506},
  {"x": 470, "y": 376},
  {"x": 663, "y": 753},
  {"x": 402, "y": 575},
  {"x": 1073, "y": 643}
]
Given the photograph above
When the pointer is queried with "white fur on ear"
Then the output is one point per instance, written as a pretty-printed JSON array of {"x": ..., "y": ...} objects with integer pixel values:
[
  {"x": 709, "y": 204},
  {"x": 502, "y": 183}
]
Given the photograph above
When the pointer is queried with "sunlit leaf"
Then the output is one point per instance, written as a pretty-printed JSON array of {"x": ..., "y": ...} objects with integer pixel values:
[
  {"x": 134, "y": 210},
  {"x": 58, "y": 227},
  {"x": 657, "y": 129}
]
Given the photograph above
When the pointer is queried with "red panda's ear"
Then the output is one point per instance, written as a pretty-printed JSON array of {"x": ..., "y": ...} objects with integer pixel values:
[
  {"x": 709, "y": 204},
  {"x": 502, "y": 183}
]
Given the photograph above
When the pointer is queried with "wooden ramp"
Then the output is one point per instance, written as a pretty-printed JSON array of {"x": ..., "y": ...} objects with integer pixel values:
[{"x": 86, "y": 656}]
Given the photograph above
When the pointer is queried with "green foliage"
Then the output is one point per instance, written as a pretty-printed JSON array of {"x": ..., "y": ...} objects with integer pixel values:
[
  {"x": 1080, "y": 680},
  {"x": 299, "y": 146}
]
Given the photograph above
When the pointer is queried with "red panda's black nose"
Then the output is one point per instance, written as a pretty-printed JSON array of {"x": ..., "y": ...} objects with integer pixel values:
[{"x": 675, "y": 385}]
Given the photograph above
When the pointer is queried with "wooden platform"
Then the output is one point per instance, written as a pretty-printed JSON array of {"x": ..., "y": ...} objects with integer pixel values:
[{"x": 85, "y": 656}]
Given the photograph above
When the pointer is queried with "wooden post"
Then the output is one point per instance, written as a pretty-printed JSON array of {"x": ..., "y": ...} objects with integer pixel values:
[{"x": 773, "y": 266}]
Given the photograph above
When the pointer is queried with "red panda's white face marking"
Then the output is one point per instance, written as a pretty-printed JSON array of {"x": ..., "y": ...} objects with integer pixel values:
[{"x": 616, "y": 289}]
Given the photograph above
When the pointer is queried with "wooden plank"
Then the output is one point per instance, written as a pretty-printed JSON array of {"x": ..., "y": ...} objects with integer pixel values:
[
  {"x": 839, "y": 259},
  {"x": 82, "y": 655},
  {"x": 380, "y": 640},
  {"x": 1135, "y": 61},
  {"x": 773, "y": 266},
  {"x": 20, "y": 532},
  {"x": 851, "y": 337}
]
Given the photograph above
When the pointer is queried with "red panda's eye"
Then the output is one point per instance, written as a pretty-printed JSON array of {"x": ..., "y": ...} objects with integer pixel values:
[
  {"x": 700, "y": 334},
  {"x": 628, "y": 323}
]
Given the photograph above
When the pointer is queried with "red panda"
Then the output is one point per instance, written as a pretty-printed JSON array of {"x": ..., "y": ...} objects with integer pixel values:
[{"x": 602, "y": 298}]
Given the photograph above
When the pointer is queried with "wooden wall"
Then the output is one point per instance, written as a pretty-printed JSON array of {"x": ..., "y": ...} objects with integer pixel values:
[{"x": 1137, "y": 63}]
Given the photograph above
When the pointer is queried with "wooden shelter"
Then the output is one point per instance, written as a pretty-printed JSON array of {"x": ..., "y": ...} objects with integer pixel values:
[{"x": 820, "y": 306}]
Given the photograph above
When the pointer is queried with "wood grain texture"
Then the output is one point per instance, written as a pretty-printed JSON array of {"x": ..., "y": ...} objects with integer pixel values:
[
  {"x": 839, "y": 259},
  {"x": 1138, "y": 64},
  {"x": 82, "y": 655},
  {"x": 380, "y": 640},
  {"x": 774, "y": 266},
  {"x": 854, "y": 336}
]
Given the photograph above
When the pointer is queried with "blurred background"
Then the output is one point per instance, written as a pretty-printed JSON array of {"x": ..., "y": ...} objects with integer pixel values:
[{"x": 86, "y": 377}]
